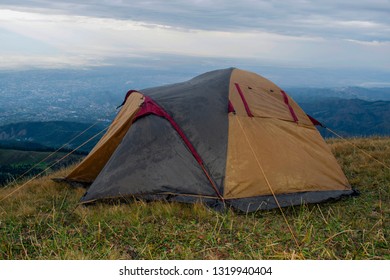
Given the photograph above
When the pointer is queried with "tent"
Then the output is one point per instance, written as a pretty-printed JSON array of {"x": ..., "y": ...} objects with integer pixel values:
[{"x": 227, "y": 138}]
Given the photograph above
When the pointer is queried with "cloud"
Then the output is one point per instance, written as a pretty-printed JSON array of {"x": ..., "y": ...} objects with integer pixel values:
[
  {"x": 283, "y": 17},
  {"x": 302, "y": 33},
  {"x": 104, "y": 37}
]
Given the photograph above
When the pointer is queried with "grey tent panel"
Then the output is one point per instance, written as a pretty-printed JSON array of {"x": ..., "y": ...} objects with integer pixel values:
[{"x": 152, "y": 158}]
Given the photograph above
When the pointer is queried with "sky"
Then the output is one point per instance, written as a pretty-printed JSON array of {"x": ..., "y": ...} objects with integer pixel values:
[{"x": 349, "y": 36}]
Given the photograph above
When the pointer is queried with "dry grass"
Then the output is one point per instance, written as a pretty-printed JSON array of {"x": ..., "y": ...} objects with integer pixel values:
[{"x": 41, "y": 221}]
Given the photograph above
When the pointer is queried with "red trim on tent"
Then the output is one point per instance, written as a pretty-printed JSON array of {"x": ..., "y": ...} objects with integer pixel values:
[
  {"x": 231, "y": 107},
  {"x": 248, "y": 111},
  {"x": 285, "y": 97},
  {"x": 150, "y": 107},
  {"x": 314, "y": 121}
]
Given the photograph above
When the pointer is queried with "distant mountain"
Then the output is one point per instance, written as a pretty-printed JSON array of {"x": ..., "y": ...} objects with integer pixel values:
[
  {"x": 15, "y": 163},
  {"x": 54, "y": 134},
  {"x": 24, "y": 145},
  {"x": 350, "y": 111},
  {"x": 351, "y": 117}
]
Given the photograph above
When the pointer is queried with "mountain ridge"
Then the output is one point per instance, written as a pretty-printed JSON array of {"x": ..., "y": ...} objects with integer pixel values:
[
  {"x": 51, "y": 134},
  {"x": 351, "y": 117}
]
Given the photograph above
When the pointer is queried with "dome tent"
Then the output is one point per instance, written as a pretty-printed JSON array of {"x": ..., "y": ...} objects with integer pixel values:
[{"x": 226, "y": 137}]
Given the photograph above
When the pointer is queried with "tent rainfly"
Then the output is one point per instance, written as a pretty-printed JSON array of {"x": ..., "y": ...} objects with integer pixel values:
[{"x": 227, "y": 138}]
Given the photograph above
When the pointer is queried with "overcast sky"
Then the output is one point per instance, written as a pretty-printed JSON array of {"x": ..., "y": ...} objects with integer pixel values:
[{"x": 347, "y": 34}]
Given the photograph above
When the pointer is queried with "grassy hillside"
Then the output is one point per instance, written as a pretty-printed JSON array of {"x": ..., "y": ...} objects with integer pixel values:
[{"x": 41, "y": 221}]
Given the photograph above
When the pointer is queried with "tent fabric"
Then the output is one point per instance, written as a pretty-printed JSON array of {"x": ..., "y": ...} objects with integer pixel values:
[
  {"x": 296, "y": 162},
  {"x": 227, "y": 138},
  {"x": 280, "y": 139}
]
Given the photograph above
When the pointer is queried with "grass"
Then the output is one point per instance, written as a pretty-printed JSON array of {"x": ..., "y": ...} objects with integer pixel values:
[{"x": 41, "y": 221}]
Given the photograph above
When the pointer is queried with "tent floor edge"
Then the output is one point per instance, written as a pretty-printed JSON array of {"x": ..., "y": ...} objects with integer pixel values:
[
  {"x": 267, "y": 202},
  {"x": 243, "y": 205}
]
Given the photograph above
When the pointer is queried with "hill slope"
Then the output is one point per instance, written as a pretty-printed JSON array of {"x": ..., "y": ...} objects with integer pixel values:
[
  {"x": 14, "y": 163},
  {"x": 52, "y": 134},
  {"x": 40, "y": 221},
  {"x": 351, "y": 117}
]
